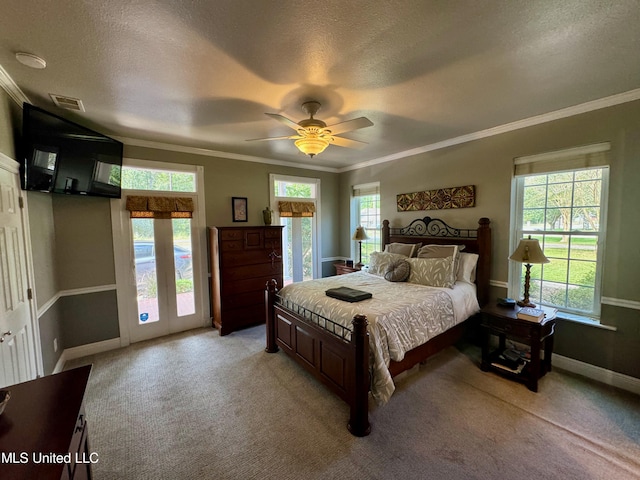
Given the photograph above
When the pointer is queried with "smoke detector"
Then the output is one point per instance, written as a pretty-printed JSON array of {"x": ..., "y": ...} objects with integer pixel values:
[{"x": 30, "y": 60}]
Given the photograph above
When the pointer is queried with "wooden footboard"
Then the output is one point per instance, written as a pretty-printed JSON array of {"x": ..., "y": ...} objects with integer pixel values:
[{"x": 341, "y": 364}]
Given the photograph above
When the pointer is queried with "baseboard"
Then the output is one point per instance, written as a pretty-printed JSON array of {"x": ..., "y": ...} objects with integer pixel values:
[
  {"x": 600, "y": 374},
  {"x": 85, "y": 350},
  {"x": 60, "y": 363}
]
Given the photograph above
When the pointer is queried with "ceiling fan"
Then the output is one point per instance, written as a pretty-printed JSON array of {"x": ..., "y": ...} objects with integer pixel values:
[{"x": 313, "y": 135}]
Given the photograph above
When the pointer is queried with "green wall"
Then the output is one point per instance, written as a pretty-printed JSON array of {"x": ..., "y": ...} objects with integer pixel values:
[
  {"x": 76, "y": 232},
  {"x": 488, "y": 164}
]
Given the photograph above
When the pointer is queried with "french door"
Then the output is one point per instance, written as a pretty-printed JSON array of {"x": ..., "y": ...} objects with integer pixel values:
[
  {"x": 164, "y": 281},
  {"x": 159, "y": 274},
  {"x": 297, "y": 239}
]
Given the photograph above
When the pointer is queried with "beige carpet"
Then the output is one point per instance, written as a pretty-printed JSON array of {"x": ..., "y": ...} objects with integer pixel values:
[{"x": 198, "y": 406}]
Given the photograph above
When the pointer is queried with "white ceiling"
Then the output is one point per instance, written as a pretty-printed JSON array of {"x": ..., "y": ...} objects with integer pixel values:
[{"x": 202, "y": 74}]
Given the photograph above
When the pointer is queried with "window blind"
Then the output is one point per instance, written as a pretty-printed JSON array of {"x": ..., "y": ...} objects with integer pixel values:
[
  {"x": 366, "y": 189},
  {"x": 578, "y": 158}
]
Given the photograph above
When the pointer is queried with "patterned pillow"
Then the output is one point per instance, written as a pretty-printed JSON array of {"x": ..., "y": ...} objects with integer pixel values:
[
  {"x": 433, "y": 272},
  {"x": 407, "y": 249},
  {"x": 398, "y": 271},
  {"x": 379, "y": 262}
]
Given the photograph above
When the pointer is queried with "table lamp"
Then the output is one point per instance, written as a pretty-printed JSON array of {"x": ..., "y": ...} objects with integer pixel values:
[
  {"x": 359, "y": 235},
  {"x": 528, "y": 252}
]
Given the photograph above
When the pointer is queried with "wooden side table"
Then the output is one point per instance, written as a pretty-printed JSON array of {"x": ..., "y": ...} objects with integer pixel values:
[
  {"x": 503, "y": 322},
  {"x": 342, "y": 269},
  {"x": 46, "y": 417}
]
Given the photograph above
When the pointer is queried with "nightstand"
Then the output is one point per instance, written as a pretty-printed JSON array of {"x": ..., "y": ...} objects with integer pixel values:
[
  {"x": 342, "y": 269},
  {"x": 504, "y": 322}
]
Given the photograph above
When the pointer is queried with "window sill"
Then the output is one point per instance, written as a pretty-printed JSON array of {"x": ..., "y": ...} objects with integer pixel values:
[{"x": 570, "y": 317}]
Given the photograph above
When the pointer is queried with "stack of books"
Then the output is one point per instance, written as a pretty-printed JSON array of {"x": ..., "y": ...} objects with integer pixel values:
[
  {"x": 511, "y": 360},
  {"x": 531, "y": 314}
]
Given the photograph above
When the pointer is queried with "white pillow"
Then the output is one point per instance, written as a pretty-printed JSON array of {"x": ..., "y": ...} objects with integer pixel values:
[
  {"x": 433, "y": 272},
  {"x": 379, "y": 262},
  {"x": 467, "y": 267}
]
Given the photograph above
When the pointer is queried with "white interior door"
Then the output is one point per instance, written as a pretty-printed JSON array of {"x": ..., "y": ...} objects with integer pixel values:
[{"x": 17, "y": 343}]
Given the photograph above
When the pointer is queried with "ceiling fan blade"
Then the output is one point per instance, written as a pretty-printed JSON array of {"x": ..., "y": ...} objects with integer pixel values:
[
  {"x": 350, "y": 125},
  {"x": 345, "y": 142},
  {"x": 285, "y": 137},
  {"x": 285, "y": 120}
]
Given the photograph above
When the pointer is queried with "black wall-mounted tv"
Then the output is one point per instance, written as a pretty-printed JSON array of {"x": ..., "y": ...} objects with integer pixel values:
[{"x": 60, "y": 156}]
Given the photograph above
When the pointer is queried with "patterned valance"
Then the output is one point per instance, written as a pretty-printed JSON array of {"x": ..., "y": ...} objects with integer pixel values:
[
  {"x": 296, "y": 209},
  {"x": 159, "y": 207}
]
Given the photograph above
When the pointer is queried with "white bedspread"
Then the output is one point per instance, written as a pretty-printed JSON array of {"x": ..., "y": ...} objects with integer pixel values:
[{"x": 401, "y": 315}]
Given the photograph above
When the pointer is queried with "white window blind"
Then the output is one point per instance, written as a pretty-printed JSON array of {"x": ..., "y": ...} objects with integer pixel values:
[{"x": 577, "y": 158}]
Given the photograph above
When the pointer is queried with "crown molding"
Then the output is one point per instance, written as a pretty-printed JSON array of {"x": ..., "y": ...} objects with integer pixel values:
[
  {"x": 605, "y": 102},
  {"x": 133, "y": 142},
  {"x": 9, "y": 86}
]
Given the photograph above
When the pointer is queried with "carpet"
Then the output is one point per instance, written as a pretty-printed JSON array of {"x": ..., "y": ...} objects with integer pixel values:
[{"x": 195, "y": 405}]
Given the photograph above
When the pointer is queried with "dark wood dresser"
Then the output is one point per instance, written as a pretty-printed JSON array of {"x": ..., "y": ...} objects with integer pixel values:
[
  {"x": 243, "y": 260},
  {"x": 43, "y": 430}
]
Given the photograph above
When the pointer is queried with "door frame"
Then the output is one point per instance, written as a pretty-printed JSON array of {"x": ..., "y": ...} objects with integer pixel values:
[
  {"x": 12, "y": 166},
  {"x": 124, "y": 269}
]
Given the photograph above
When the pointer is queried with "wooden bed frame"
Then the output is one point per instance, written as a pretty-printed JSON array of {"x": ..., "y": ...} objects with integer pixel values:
[{"x": 342, "y": 363}]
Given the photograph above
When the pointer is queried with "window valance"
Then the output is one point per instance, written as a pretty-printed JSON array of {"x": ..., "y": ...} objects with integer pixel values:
[
  {"x": 159, "y": 207},
  {"x": 296, "y": 209}
]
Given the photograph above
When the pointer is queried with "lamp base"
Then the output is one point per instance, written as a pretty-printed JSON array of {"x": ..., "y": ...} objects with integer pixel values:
[{"x": 522, "y": 303}]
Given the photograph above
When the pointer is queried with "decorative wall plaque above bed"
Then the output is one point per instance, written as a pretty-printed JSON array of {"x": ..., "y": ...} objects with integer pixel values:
[{"x": 452, "y": 197}]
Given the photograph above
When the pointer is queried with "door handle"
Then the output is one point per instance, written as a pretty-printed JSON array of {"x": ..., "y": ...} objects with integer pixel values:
[{"x": 5, "y": 334}]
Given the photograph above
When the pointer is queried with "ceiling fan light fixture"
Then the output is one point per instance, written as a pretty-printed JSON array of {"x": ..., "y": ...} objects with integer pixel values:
[{"x": 311, "y": 146}]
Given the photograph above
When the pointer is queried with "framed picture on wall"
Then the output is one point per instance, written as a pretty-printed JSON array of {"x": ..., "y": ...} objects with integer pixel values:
[{"x": 239, "y": 208}]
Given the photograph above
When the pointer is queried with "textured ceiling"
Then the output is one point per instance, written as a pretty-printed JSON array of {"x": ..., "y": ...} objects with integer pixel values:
[{"x": 203, "y": 73}]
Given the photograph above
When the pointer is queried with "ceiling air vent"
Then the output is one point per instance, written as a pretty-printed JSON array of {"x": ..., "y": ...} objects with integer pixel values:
[{"x": 67, "y": 102}]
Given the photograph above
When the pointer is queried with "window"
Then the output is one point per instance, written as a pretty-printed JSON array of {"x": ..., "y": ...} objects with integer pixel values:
[
  {"x": 561, "y": 201},
  {"x": 366, "y": 212},
  {"x": 134, "y": 178}
]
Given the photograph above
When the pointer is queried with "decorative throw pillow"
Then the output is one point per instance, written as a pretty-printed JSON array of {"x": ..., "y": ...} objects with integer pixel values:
[
  {"x": 442, "y": 251},
  {"x": 433, "y": 272},
  {"x": 398, "y": 271},
  {"x": 467, "y": 267},
  {"x": 406, "y": 249},
  {"x": 380, "y": 261}
]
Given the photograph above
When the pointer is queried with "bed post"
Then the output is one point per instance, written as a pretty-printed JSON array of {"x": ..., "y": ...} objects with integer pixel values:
[
  {"x": 359, "y": 402},
  {"x": 385, "y": 234},
  {"x": 484, "y": 268},
  {"x": 270, "y": 320}
]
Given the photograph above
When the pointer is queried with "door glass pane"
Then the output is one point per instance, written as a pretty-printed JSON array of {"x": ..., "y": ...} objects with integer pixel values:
[
  {"x": 307, "y": 248},
  {"x": 183, "y": 266},
  {"x": 145, "y": 269},
  {"x": 287, "y": 250}
]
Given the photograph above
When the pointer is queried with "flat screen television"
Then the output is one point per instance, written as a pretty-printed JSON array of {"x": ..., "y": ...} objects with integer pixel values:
[{"x": 60, "y": 156}]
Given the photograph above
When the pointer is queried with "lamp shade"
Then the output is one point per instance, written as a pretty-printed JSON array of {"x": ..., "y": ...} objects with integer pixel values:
[
  {"x": 529, "y": 251},
  {"x": 311, "y": 145},
  {"x": 359, "y": 234}
]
